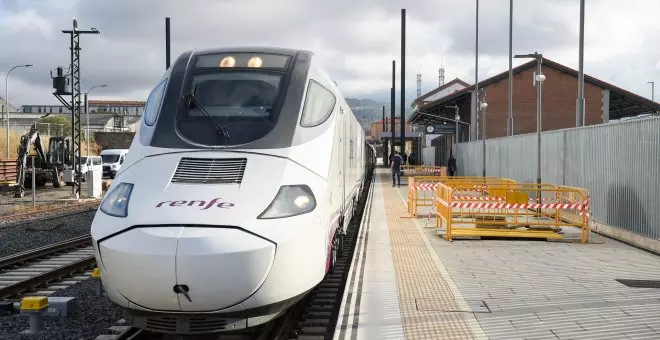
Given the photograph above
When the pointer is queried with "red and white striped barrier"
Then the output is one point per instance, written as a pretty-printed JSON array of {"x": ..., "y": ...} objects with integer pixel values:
[
  {"x": 425, "y": 186},
  {"x": 582, "y": 207},
  {"x": 433, "y": 170},
  {"x": 478, "y": 198}
]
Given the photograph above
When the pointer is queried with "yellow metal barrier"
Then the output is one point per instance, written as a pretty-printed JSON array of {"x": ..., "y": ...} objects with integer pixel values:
[
  {"x": 504, "y": 208},
  {"x": 422, "y": 189}
]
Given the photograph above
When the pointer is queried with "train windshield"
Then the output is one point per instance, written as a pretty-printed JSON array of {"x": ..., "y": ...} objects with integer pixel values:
[
  {"x": 110, "y": 158},
  {"x": 232, "y": 99}
]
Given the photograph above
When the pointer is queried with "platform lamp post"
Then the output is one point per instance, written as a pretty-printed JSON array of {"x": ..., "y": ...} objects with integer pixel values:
[
  {"x": 87, "y": 114},
  {"x": 539, "y": 77},
  {"x": 6, "y": 106},
  {"x": 652, "y": 90},
  {"x": 484, "y": 108}
]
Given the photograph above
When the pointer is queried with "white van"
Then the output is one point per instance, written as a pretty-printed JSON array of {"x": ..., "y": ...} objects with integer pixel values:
[
  {"x": 112, "y": 161},
  {"x": 90, "y": 163}
]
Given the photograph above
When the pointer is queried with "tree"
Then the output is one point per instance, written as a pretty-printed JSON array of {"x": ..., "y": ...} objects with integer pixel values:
[{"x": 59, "y": 125}]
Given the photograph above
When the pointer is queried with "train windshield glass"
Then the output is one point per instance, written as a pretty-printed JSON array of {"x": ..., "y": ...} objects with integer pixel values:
[{"x": 230, "y": 100}]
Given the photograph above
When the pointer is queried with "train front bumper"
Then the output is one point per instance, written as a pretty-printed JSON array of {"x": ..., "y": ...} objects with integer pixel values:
[{"x": 184, "y": 269}]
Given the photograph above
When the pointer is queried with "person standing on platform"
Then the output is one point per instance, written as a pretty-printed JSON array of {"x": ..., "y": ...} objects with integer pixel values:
[
  {"x": 451, "y": 165},
  {"x": 397, "y": 161},
  {"x": 411, "y": 159}
]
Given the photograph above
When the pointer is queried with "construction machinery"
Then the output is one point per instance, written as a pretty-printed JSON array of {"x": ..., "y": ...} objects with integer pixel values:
[{"x": 49, "y": 166}]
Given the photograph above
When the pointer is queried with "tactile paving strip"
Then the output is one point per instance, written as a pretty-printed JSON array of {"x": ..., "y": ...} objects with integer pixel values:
[{"x": 428, "y": 306}]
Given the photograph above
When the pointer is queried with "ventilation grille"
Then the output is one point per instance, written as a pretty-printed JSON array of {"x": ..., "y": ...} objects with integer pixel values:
[
  {"x": 162, "y": 324},
  {"x": 210, "y": 170},
  {"x": 188, "y": 325}
]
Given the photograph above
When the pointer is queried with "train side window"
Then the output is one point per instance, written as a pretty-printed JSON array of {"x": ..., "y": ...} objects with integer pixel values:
[
  {"x": 152, "y": 107},
  {"x": 318, "y": 105}
]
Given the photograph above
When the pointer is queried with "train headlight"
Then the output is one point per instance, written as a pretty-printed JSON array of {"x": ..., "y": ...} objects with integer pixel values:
[
  {"x": 291, "y": 200},
  {"x": 116, "y": 202}
]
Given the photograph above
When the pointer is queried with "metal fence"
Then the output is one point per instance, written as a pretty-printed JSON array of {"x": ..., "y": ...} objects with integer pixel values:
[
  {"x": 617, "y": 163},
  {"x": 44, "y": 128}
]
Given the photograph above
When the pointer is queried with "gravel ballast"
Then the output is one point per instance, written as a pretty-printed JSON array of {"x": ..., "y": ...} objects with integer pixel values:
[
  {"x": 20, "y": 236},
  {"x": 93, "y": 315}
]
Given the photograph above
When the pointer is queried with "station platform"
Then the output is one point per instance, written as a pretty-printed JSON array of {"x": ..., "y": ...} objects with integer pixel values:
[{"x": 406, "y": 282}]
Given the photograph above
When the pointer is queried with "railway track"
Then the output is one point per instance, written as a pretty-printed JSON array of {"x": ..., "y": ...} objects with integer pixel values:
[
  {"x": 30, "y": 272},
  {"x": 314, "y": 318},
  {"x": 46, "y": 214}
]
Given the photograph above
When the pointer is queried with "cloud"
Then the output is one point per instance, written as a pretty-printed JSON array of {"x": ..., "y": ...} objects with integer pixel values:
[{"x": 356, "y": 40}]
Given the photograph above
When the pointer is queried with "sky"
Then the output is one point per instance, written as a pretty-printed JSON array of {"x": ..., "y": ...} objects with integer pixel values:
[{"x": 356, "y": 40}]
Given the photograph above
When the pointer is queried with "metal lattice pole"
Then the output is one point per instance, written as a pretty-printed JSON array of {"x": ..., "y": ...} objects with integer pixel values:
[
  {"x": 75, "y": 105},
  {"x": 76, "y": 140}
]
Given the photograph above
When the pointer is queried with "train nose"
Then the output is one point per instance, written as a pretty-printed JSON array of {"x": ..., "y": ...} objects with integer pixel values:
[
  {"x": 186, "y": 268},
  {"x": 221, "y": 267}
]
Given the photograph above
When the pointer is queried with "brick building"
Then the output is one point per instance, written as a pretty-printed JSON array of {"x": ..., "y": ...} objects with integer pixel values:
[
  {"x": 603, "y": 102},
  {"x": 377, "y": 127}
]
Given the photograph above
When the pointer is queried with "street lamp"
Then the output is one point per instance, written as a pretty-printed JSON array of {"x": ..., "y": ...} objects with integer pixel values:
[
  {"x": 6, "y": 107},
  {"x": 539, "y": 77},
  {"x": 484, "y": 108},
  {"x": 87, "y": 113}
]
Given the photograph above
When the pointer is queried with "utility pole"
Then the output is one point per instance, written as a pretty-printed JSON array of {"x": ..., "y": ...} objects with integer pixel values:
[
  {"x": 579, "y": 118},
  {"x": 509, "y": 118},
  {"x": 75, "y": 103},
  {"x": 403, "y": 81},
  {"x": 392, "y": 106},
  {"x": 476, "y": 65}
]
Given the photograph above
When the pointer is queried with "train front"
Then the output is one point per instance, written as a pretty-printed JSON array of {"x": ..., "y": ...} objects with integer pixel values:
[{"x": 214, "y": 222}]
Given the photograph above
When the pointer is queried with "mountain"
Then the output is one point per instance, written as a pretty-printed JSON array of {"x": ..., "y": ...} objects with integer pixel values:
[{"x": 367, "y": 111}]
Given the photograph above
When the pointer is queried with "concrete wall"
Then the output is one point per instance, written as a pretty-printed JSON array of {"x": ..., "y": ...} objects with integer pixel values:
[{"x": 114, "y": 140}]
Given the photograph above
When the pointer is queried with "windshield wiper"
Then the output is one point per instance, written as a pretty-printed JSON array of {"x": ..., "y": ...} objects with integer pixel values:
[{"x": 222, "y": 130}]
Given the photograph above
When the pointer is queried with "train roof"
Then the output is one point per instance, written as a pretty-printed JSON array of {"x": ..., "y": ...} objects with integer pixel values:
[{"x": 251, "y": 49}]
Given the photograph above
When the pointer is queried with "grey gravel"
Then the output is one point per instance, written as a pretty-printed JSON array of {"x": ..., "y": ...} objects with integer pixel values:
[
  {"x": 21, "y": 236},
  {"x": 93, "y": 315}
]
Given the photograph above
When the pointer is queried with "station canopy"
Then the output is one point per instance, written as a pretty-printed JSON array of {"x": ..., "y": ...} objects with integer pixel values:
[{"x": 622, "y": 103}]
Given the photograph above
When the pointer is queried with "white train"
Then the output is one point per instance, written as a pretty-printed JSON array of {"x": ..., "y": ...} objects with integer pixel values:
[{"x": 227, "y": 208}]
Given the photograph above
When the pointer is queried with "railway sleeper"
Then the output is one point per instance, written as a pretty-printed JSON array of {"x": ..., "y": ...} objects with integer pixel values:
[
  {"x": 315, "y": 322},
  {"x": 314, "y": 330},
  {"x": 310, "y": 337}
]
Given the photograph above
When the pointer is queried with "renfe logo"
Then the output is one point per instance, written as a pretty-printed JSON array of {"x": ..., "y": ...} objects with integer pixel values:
[{"x": 199, "y": 203}]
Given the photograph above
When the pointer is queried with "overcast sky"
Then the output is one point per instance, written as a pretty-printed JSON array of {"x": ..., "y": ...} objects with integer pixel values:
[{"x": 357, "y": 40}]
